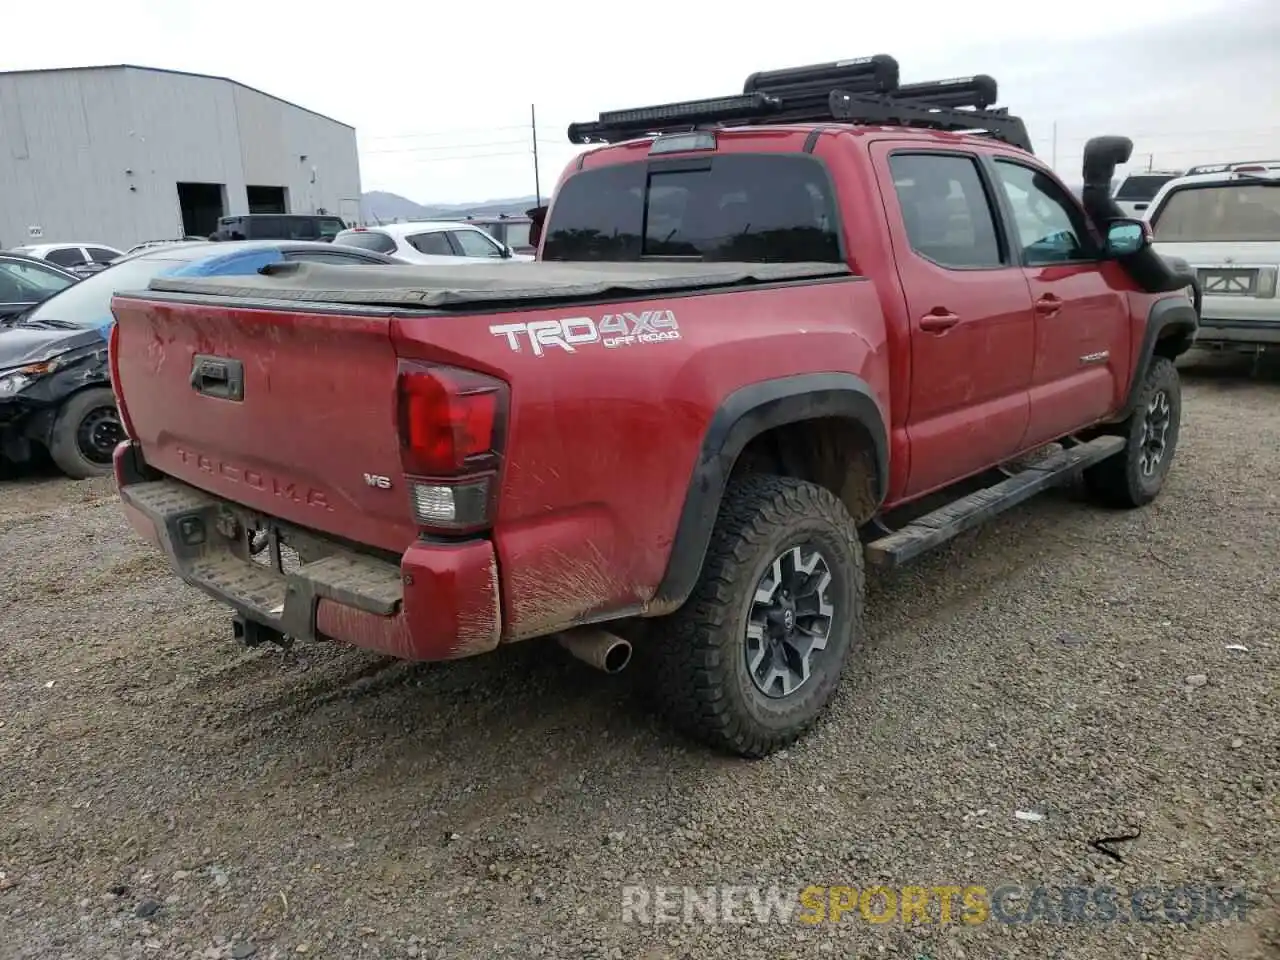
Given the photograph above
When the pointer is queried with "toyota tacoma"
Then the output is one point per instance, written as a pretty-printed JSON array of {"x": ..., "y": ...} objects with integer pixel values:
[{"x": 762, "y": 330}]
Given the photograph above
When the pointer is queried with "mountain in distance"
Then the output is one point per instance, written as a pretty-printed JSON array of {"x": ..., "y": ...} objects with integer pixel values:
[{"x": 379, "y": 205}]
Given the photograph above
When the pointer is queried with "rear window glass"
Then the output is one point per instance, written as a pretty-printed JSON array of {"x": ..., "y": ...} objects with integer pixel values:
[
  {"x": 1228, "y": 212},
  {"x": 331, "y": 228},
  {"x": 775, "y": 209},
  {"x": 1141, "y": 188},
  {"x": 367, "y": 240}
]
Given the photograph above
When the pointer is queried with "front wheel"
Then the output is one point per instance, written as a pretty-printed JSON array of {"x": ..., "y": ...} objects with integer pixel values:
[
  {"x": 85, "y": 434},
  {"x": 1135, "y": 476},
  {"x": 756, "y": 653}
]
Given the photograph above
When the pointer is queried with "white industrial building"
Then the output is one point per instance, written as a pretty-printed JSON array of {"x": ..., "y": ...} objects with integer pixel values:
[{"x": 123, "y": 154}]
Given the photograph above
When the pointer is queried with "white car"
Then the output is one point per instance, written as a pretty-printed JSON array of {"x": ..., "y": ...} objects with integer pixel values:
[
  {"x": 1135, "y": 192},
  {"x": 1226, "y": 225},
  {"x": 435, "y": 242},
  {"x": 80, "y": 258}
]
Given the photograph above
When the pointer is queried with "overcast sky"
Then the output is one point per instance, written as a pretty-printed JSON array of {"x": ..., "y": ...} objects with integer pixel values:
[{"x": 439, "y": 92}]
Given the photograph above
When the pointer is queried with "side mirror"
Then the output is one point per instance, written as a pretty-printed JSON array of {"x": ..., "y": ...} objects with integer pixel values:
[
  {"x": 1126, "y": 237},
  {"x": 507, "y": 252}
]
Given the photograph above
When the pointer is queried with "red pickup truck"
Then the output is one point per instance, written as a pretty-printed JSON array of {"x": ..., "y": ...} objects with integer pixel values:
[{"x": 762, "y": 329}]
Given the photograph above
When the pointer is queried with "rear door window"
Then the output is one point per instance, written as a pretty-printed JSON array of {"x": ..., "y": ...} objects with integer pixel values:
[
  {"x": 946, "y": 210},
  {"x": 303, "y": 228},
  {"x": 760, "y": 209},
  {"x": 66, "y": 256},
  {"x": 270, "y": 228},
  {"x": 433, "y": 244}
]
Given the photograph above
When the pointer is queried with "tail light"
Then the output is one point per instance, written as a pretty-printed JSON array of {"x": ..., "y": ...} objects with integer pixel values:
[
  {"x": 113, "y": 371},
  {"x": 452, "y": 430}
]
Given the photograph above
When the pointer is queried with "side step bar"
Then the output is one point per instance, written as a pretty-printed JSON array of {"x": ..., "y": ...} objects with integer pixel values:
[{"x": 975, "y": 509}]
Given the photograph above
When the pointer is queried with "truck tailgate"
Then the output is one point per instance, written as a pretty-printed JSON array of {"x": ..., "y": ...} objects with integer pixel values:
[{"x": 292, "y": 414}]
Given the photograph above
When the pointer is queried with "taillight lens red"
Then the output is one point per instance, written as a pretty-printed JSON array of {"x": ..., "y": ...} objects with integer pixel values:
[{"x": 451, "y": 421}]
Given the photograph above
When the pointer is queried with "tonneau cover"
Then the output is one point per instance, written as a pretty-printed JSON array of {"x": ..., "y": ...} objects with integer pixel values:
[{"x": 479, "y": 284}]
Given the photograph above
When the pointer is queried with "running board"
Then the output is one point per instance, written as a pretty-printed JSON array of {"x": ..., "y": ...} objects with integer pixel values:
[{"x": 977, "y": 508}]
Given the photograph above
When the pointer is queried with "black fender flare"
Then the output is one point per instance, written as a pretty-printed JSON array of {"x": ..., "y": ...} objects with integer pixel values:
[
  {"x": 742, "y": 416},
  {"x": 1169, "y": 318}
]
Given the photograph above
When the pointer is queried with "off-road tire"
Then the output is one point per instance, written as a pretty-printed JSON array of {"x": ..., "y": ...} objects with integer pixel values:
[
  {"x": 1119, "y": 481},
  {"x": 64, "y": 444},
  {"x": 698, "y": 658}
]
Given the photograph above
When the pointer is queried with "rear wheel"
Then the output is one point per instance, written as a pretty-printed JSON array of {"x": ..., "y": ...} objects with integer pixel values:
[
  {"x": 1135, "y": 475},
  {"x": 85, "y": 434},
  {"x": 755, "y": 654}
]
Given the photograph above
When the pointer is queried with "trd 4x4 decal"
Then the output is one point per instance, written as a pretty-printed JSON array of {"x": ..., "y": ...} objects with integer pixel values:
[{"x": 612, "y": 330}]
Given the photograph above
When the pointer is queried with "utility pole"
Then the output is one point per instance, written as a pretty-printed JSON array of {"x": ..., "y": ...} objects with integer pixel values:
[
  {"x": 533, "y": 125},
  {"x": 1055, "y": 145},
  {"x": 1151, "y": 161}
]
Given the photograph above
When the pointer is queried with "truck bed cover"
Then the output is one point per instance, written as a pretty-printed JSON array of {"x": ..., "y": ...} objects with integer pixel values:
[{"x": 482, "y": 284}]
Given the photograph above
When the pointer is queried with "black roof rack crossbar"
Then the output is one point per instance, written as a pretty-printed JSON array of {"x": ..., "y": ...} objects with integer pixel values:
[
  {"x": 865, "y": 90},
  {"x": 998, "y": 124}
]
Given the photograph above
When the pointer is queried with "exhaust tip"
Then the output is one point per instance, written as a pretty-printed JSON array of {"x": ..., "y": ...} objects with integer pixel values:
[
  {"x": 597, "y": 648},
  {"x": 617, "y": 657}
]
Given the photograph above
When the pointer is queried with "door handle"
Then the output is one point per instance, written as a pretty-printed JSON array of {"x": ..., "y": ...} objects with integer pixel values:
[
  {"x": 938, "y": 322},
  {"x": 1048, "y": 305}
]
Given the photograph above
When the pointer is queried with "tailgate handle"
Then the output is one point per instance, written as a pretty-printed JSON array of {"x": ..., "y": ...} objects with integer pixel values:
[{"x": 219, "y": 377}]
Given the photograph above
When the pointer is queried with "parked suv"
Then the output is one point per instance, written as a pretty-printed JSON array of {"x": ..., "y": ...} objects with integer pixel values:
[
  {"x": 762, "y": 325},
  {"x": 279, "y": 226},
  {"x": 441, "y": 242},
  {"x": 1135, "y": 192},
  {"x": 1225, "y": 223}
]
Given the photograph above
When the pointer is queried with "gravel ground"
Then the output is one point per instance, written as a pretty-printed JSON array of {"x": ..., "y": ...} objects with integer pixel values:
[{"x": 164, "y": 793}]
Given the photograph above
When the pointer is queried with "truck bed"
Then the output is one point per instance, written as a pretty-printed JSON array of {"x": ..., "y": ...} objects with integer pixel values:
[{"x": 470, "y": 286}]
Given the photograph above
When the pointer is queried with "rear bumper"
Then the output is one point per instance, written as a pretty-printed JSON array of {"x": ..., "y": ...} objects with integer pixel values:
[
  {"x": 439, "y": 603},
  {"x": 1215, "y": 330}
]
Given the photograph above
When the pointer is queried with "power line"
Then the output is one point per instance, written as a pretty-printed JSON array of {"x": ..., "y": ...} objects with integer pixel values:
[
  {"x": 469, "y": 146},
  {"x": 1170, "y": 135},
  {"x": 448, "y": 146},
  {"x": 464, "y": 131}
]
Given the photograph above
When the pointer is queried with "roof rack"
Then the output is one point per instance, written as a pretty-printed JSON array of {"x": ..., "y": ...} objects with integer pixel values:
[
  {"x": 1228, "y": 167},
  {"x": 864, "y": 91},
  {"x": 998, "y": 124}
]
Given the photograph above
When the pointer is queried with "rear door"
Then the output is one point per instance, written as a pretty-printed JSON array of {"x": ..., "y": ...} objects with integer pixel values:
[
  {"x": 972, "y": 330},
  {"x": 1082, "y": 327}
]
